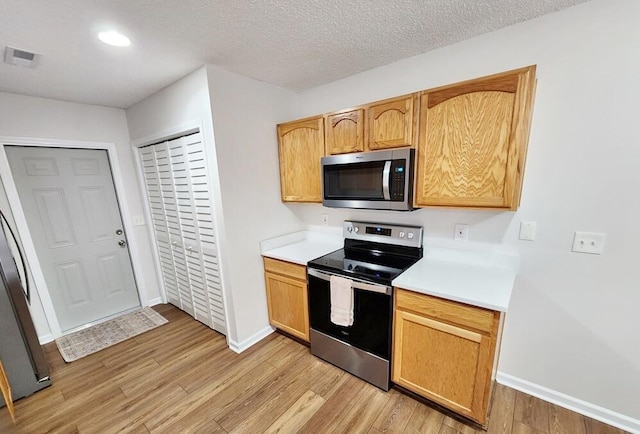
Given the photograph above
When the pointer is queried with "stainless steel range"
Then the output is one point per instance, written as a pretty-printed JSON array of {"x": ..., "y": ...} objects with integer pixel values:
[{"x": 351, "y": 297}]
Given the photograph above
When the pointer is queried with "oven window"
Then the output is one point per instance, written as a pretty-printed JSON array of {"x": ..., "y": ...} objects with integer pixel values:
[
  {"x": 354, "y": 181},
  {"x": 371, "y": 329}
]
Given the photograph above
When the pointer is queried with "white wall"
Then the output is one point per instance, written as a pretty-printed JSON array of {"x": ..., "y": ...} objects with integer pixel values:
[
  {"x": 23, "y": 116},
  {"x": 573, "y": 324},
  {"x": 244, "y": 114}
]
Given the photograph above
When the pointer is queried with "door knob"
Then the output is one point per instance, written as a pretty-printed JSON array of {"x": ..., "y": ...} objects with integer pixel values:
[{"x": 122, "y": 243}]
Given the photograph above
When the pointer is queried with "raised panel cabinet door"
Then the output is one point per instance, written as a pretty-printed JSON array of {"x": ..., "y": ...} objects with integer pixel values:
[
  {"x": 391, "y": 123},
  {"x": 345, "y": 132},
  {"x": 288, "y": 305},
  {"x": 445, "y": 363},
  {"x": 473, "y": 140},
  {"x": 301, "y": 146}
]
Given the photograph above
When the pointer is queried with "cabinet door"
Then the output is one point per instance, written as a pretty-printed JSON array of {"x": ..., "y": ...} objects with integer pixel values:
[
  {"x": 288, "y": 304},
  {"x": 345, "y": 132},
  {"x": 301, "y": 145},
  {"x": 448, "y": 364},
  {"x": 473, "y": 140},
  {"x": 390, "y": 123}
]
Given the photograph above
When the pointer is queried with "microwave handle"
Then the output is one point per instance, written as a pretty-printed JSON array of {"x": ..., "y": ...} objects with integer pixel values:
[{"x": 385, "y": 180}]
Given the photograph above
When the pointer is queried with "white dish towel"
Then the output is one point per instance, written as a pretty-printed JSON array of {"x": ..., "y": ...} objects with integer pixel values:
[{"x": 341, "y": 301}]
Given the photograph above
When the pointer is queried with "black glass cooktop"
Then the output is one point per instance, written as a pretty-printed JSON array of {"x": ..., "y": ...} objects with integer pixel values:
[{"x": 367, "y": 262}]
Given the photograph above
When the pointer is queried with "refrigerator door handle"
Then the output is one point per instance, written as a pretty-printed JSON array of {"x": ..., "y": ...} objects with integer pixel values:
[{"x": 25, "y": 288}]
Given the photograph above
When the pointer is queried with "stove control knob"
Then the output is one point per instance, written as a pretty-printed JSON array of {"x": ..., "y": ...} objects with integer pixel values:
[
  {"x": 410, "y": 235},
  {"x": 401, "y": 234},
  {"x": 349, "y": 228},
  {"x": 356, "y": 229}
]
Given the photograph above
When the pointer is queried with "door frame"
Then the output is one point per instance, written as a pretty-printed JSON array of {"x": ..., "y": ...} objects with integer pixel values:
[{"x": 25, "y": 235}]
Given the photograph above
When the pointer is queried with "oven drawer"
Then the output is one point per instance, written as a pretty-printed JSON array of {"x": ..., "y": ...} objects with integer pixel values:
[
  {"x": 449, "y": 311},
  {"x": 285, "y": 268}
]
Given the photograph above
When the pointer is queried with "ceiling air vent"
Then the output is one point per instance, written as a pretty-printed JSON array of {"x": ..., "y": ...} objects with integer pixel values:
[{"x": 14, "y": 56}]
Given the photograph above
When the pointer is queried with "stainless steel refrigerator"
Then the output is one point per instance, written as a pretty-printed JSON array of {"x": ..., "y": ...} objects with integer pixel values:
[{"x": 20, "y": 350}]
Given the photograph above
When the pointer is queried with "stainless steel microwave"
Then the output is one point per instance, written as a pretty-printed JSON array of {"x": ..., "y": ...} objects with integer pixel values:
[{"x": 369, "y": 180}]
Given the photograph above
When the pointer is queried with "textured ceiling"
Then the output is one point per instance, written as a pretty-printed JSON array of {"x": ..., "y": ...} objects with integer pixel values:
[{"x": 295, "y": 44}]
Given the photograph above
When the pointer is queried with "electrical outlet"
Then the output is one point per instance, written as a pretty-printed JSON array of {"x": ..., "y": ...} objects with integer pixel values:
[
  {"x": 588, "y": 242},
  {"x": 461, "y": 232},
  {"x": 138, "y": 220},
  {"x": 325, "y": 219}
]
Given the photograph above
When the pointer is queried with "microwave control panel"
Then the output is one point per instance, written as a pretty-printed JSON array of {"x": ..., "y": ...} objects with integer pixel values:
[{"x": 397, "y": 183}]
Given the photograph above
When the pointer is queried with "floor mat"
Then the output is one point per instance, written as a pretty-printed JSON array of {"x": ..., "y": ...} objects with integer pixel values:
[{"x": 100, "y": 336}]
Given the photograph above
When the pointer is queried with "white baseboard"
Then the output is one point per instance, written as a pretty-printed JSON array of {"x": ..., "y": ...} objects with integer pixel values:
[
  {"x": 585, "y": 408},
  {"x": 239, "y": 347},
  {"x": 45, "y": 339},
  {"x": 154, "y": 301}
]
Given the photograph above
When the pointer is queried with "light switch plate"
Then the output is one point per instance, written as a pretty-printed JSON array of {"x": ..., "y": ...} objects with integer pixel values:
[
  {"x": 528, "y": 231},
  {"x": 588, "y": 242}
]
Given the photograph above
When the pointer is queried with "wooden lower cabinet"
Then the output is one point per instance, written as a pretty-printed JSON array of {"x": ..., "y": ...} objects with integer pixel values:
[
  {"x": 287, "y": 297},
  {"x": 445, "y": 351}
]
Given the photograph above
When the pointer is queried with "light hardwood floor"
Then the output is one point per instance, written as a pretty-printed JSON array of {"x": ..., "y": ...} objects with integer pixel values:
[{"x": 181, "y": 378}]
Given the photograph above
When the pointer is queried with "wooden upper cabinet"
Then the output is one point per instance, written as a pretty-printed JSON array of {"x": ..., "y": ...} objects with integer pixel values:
[
  {"x": 345, "y": 132},
  {"x": 473, "y": 141},
  {"x": 300, "y": 146},
  {"x": 392, "y": 123}
]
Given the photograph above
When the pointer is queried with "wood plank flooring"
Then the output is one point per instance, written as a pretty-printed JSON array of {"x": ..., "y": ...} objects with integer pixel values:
[{"x": 181, "y": 378}]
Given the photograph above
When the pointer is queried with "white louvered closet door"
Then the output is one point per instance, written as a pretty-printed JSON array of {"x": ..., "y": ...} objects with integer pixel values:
[
  {"x": 159, "y": 222},
  {"x": 196, "y": 163},
  {"x": 190, "y": 244},
  {"x": 169, "y": 192},
  {"x": 184, "y": 189}
]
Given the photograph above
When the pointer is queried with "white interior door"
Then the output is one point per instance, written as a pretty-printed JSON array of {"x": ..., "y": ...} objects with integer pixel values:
[{"x": 69, "y": 200}]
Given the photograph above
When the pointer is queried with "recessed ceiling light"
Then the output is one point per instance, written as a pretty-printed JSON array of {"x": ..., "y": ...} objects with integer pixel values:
[{"x": 114, "y": 38}]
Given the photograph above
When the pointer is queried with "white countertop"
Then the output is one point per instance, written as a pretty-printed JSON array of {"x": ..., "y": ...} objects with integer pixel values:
[
  {"x": 475, "y": 278},
  {"x": 483, "y": 279},
  {"x": 301, "y": 247}
]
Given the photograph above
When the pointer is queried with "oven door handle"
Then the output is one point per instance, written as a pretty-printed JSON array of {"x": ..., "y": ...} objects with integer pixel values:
[{"x": 356, "y": 284}]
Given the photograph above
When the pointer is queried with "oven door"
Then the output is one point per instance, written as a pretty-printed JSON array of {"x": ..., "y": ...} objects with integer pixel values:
[{"x": 372, "y": 314}]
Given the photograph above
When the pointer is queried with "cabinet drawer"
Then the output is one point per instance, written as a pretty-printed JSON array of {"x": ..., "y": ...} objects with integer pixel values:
[
  {"x": 285, "y": 268},
  {"x": 452, "y": 312}
]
